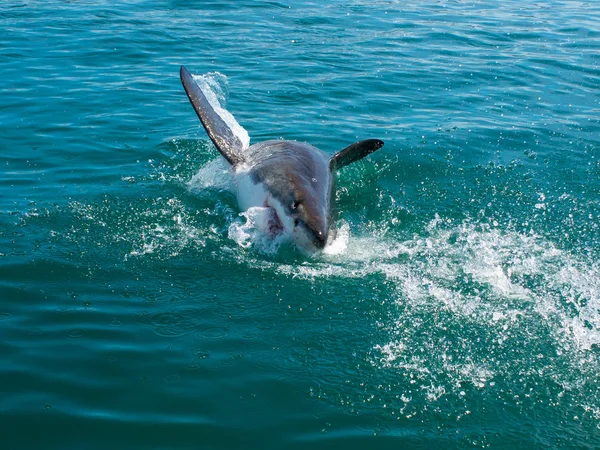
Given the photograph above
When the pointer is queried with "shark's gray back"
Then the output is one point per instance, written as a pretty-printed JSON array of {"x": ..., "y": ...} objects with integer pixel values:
[{"x": 276, "y": 158}]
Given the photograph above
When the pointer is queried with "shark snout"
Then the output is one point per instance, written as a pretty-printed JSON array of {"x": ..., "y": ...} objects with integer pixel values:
[
  {"x": 320, "y": 239},
  {"x": 315, "y": 230},
  {"x": 319, "y": 229}
]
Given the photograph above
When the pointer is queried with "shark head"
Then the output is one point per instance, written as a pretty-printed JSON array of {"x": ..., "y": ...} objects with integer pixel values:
[{"x": 301, "y": 200}]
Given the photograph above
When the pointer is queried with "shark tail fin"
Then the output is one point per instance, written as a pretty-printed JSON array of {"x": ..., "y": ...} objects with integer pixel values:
[
  {"x": 354, "y": 152},
  {"x": 219, "y": 132}
]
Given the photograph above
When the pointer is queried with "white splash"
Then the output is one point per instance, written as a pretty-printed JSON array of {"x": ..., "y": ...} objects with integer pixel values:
[
  {"x": 250, "y": 232},
  {"x": 214, "y": 87},
  {"x": 215, "y": 174},
  {"x": 475, "y": 276},
  {"x": 339, "y": 245}
]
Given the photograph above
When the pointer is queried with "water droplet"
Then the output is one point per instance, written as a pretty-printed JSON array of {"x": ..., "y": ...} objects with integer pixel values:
[{"x": 201, "y": 354}]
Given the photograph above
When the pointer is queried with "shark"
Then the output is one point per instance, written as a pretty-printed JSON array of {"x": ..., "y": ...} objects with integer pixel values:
[{"x": 295, "y": 180}]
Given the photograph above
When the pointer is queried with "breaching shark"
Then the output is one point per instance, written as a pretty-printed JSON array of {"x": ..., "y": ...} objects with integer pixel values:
[{"x": 294, "y": 179}]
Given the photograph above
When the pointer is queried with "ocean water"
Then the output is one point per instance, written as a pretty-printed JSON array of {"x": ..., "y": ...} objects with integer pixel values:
[{"x": 459, "y": 307}]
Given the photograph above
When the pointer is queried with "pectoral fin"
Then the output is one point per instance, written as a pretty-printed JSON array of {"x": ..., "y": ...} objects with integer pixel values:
[
  {"x": 219, "y": 132},
  {"x": 354, "y": 152}
]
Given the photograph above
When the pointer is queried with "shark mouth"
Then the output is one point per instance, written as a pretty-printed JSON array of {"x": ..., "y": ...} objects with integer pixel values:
[{"x": 274, "y": 226}]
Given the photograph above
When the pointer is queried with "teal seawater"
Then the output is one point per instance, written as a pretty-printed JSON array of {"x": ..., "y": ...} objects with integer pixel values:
[{"x": 464, "y": 310}]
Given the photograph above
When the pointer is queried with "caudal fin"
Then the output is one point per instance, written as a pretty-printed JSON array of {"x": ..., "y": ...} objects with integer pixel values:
[
  {"x": 219, "y": 132},
  {"x": 354, "y": 152}
]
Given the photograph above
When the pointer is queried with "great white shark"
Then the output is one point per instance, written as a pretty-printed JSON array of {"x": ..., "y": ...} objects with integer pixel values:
[{"x": 294, "y": 179}]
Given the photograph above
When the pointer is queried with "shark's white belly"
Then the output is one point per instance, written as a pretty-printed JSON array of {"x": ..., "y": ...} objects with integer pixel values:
[{"x": 251, "y": 195}]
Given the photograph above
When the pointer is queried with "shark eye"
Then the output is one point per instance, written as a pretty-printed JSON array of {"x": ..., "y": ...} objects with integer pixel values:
[{"x": 295, "y": 204}]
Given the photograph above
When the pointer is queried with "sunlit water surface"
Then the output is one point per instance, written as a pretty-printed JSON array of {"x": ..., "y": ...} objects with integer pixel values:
[{"x": 459, "y": 306}]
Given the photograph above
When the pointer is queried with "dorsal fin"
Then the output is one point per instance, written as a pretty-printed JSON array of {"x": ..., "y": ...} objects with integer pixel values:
[
  {"x": 354, "y": 152},
  {"x": 219, "y": 132}
]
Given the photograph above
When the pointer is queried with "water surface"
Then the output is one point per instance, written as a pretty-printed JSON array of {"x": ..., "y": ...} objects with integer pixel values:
[{"x": 462, "y": 308}]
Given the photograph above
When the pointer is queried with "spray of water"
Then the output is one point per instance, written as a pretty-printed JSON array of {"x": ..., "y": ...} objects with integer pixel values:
[{"x": 214, "y": 87}]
